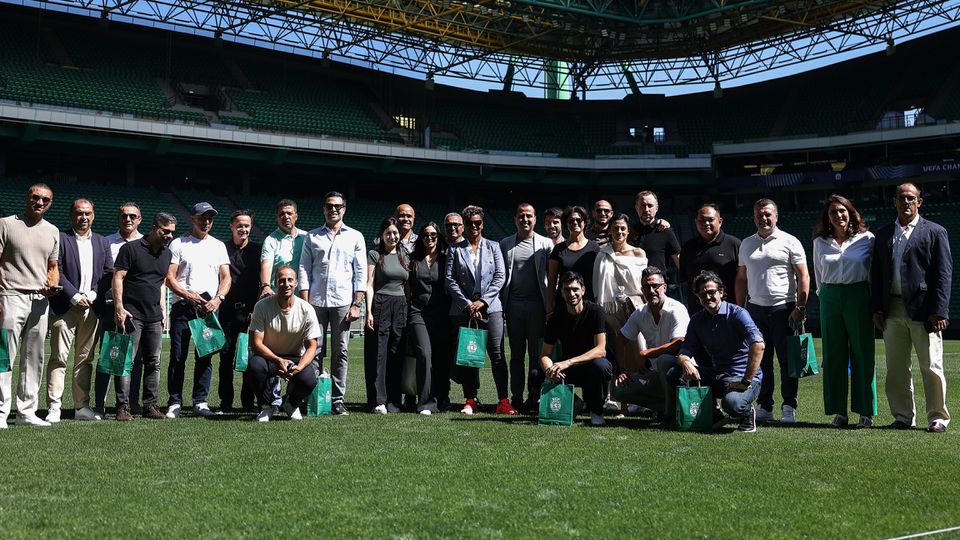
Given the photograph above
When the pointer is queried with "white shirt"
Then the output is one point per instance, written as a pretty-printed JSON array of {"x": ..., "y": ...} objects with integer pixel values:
[
  {"x": 199, "y": 263},
  {"x": 333, "y": 266},
  {"x": 900, "y": 236},
  {"x": 284, "y": 331},
  {"x": 115, "y": 241},
  {"x": 642, "y": 327},
  {"x": 842, "y": 264},
  {"x": 85, "y": 252},
  {"x": 769, "y": 262}
]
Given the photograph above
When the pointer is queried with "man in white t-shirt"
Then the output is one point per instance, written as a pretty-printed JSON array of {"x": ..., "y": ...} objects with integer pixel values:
[
  {"x": 773, "y": 284},
  {"x": 199, "y": 277},
  {"x": 283, "y": 335},
  {"x": 658, "y": 327}
]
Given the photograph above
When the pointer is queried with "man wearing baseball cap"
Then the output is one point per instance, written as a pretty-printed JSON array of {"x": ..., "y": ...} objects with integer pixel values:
[{"x": 199, "y": 277}]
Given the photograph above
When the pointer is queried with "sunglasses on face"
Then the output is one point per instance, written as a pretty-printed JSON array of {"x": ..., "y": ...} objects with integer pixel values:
[
  {"x": 575, "y": 221},
  {"x": 334, "y": 207},
  {"x": 430, "y": 235},
  {"x": 476, "y": 224},
  {"x": 167, "y": 232},
  {"x": 40, "y": 198},
  {"x": 453, "y": 225},
  {"x": 133, "y": 217}
]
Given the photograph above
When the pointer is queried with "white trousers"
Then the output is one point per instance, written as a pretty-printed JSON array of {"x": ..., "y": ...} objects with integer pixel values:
[{"x": 25, "y": 318}]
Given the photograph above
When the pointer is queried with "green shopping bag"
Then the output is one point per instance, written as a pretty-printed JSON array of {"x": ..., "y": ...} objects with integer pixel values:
[
  {"x": 801, "y": 355},
  {"x": 320, "y": 402},
  {"x": 556, "y": 404},
  {"x": 694, "y": 408},
  {"x": 207, "y": 334},
  {"x": 472, "y": 346},
  {"x": 242, "y": 356},
  {"x": 116, "y": 354},
  {"x": 4, "y": 351}
]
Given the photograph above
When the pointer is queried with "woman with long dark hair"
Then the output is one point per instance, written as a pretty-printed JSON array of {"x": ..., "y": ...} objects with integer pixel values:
[
  {"x": 842, "y": 247},
  {"x": 387, "y": 274},
  {"x": 576, "y": 254},
  {"x": 429, "y": 320}
]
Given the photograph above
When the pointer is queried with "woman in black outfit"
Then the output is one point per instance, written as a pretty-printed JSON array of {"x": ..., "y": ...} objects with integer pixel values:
[
  {"x": 576, "y": 253},
  {"x": 429, "y": 320}
]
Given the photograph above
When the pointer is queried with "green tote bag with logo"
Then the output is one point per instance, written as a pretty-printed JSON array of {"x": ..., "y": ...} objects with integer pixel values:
[
  {"x": 207, "y": 334},
  {"x": 472, "y": 346},
  {"x": 694, "y": 408},
  {"x": 116, "y": 354},
  {"x": 242, "y": 357},
  {"x": 801, "y": 355},
  {"x": 556, "y": 404}
]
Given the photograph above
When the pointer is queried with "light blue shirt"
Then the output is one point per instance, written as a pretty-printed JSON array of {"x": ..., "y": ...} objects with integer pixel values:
[{"x": 332, "y": 266}]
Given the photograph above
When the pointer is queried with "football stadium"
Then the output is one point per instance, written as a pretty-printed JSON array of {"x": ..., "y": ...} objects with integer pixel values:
[{"x": 432, "y": 246}]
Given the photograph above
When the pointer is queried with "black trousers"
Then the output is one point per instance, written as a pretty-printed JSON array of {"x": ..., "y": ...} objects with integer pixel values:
[
  {"x": 264, "y": 372},
  {"x": 593, "y": 377},
  {"x": 234, "y": 323},
  {"x": 382, "y": 352},
  {"x": 470, "y": 377},
  {"x": 430, "y": 334}
]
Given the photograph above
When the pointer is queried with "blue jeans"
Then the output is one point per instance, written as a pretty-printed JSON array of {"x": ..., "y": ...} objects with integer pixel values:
[
  {"x": 733, "y": 402},
  {"x": 774, "y": 323},
  {"x": 180, "y": 316}
]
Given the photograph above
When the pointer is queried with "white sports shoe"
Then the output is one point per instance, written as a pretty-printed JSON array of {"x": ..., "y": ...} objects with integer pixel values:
[
  {"x": 380, "y": 409},
  {"x": 426, "y": 412},
  {"x": 292, "y": 412},
  {"x": 87, "y": 414},
  {"x": 266, "y": 414},
  {"x": 53, "y": 415},
  {"x": 764, "y": 416},
  {"x": 611, "y": 406},
  {"x": 173, "y": 411},
  {"x": 789, "y": 415},
  {"x": 203, "y": 410},
  {"x": 31, "y": 419}
]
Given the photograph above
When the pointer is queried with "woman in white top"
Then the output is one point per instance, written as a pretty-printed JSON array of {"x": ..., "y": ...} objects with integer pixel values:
[{"x": 842, "y": 247}]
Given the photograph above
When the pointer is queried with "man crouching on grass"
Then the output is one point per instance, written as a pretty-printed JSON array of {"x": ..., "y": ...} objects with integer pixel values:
[
  {"x": 728, "y": 348},
  {"x": 582, "y": 328},
  {"x": 283, "y": 335}
]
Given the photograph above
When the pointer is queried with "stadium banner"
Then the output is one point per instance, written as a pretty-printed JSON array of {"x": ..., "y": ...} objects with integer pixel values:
[{"x": 877, "y": 172}]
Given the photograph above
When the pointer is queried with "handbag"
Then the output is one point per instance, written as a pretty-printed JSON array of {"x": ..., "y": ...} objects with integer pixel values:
[
  {"x": 694, "y": 408},
  {"x": 472, "y": 345},
  {"x": 207, "y": 334},
  {"x": 116, "y": 354},
  {"x": 556, "y": 404},
  {"x": 320, "y": 402},
  {"x": 4, "y": 351},
  {"x": 242, "y": 357},
  {"x": 801, "y": 355}
]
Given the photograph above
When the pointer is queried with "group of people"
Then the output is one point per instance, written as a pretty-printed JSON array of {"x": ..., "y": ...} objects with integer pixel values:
[{"x": 587, "y": 304}]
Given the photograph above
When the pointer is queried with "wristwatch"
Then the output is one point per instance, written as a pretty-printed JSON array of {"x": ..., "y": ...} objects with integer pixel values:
[
  {"x": 802, "y": 310},
  {"x": 356, "y": 305},
  {"x": 221, "y": 297},
  {"x": 746, "y": 382},
  {"x": 264, "y": 286}
]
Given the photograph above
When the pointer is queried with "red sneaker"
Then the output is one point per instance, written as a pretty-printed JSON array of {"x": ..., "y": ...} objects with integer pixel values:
[
  {"x": 504, "y": 407},
  {"x": 469, "y": 407}
]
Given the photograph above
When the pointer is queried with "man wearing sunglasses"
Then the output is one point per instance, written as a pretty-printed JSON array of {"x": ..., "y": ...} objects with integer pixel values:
[
  {"x": 138, "y": 275},
  {"x": 599, "y": 230},
  {"x": 453, "y": 228},
  {"x": 29, "y": 275},
  {"x": 332, "y": 277}
]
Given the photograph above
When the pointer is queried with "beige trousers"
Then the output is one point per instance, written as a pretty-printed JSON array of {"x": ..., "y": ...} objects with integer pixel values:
[
  {"x": 25, "y": 318},
  {"x": 900, "y": 335},
  {"x": 76, "y": 328}
]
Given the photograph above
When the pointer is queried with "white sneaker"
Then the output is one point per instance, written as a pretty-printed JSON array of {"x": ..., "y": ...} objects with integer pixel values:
[
  {"x": 266, "y": 414},
  {"x": 392, "y": 408},
  {"x": 612, "y": 406},
  {"x": 31, "y": 419},
  {"x": 292, "y": 412},
  {"x": 380, "y": 409},
  {"x": 764, "y": 416},
  {"x": 87, "y": 414},
  {"x": 426, "y": 412},
  {"x": 789, "y": 415},
  {"x": 3, "y": 424},
  {"x": 173, "y": 411},
  {"x": 203, "y": 410},
  {"x": 53, "y": 415},
  {"x": 597, "y": 420}
]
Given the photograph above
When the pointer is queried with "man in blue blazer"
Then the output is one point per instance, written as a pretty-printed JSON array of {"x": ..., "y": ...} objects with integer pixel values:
[
  {"x": 84, "y": 259},
  {"x": 911, "y": 277},
  {"x": 474, "y": 275}
]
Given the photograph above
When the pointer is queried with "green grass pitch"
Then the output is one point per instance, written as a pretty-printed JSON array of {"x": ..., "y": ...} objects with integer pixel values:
[{"x": 409, "y": 476}]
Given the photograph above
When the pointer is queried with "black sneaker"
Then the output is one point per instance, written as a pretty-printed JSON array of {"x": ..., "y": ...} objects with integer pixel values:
[
  {"x": 340, "y": 409},
  {"x": 748, "y": 422}
]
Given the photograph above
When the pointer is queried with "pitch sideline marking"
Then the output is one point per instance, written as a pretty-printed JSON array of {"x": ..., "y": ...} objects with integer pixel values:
[{"x": 928, "y": 533}]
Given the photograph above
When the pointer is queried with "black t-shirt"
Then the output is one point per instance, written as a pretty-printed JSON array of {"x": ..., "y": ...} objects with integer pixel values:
[
  {"x": 659, "y": 245},
  {"x": 720, "y": 256},
  {"x": 146, "y": 271},
  {"x": 577, "y": 332},
  {"x": 244, "y": 275},
  {"x": 579, "y": 261}
]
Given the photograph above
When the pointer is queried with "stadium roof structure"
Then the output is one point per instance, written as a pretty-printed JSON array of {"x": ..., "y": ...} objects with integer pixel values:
[{"x": 598, "y": 44}]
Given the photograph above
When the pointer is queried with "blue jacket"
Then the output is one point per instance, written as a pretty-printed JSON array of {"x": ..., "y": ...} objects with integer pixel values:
[
  {"x": 70, "y": 268},
  {"x": 460, "y": 280},
  {"x": 926, "y": 271}
]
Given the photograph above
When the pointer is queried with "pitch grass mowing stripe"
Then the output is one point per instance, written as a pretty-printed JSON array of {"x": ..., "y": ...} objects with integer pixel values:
[
  {"x": 405, "y": 475},
  {"x": 929, "y": 533}
]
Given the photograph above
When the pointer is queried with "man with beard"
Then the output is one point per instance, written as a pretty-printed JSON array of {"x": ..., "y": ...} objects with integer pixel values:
[
  {"x": 553, "y": 224},
  {"x": 283, "y": 246},
  {"x": 599, "y": 230}
]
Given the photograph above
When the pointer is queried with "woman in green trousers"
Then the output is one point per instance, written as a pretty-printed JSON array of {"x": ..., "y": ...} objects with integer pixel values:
[{"x": 842, "y": 247}]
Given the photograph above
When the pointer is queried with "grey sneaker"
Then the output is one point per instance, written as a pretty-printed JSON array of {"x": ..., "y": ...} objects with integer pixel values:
[{"x": 764, "y": 416}]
